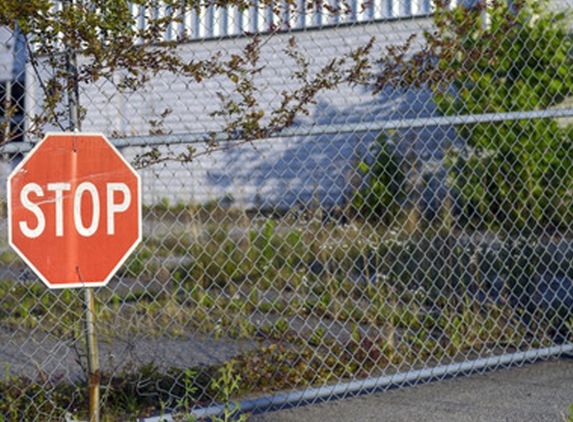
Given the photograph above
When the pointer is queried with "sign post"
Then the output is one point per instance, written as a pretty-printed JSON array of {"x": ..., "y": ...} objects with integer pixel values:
[{"x": 74, "y": 216}]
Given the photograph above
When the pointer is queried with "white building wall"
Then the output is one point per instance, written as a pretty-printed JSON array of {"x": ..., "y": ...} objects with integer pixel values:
[
  {"x": 275, "y": 172},
  {"x": 191, "y": 103}
]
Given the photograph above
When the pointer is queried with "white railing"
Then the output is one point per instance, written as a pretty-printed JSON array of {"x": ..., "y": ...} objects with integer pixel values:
[{"x": 210, "y": 20}]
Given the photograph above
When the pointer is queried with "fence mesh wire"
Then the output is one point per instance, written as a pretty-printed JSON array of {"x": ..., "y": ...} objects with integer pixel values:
[{"x": 376, "y": 235}]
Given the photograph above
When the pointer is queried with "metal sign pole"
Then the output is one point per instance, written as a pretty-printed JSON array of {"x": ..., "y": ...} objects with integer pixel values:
[
  {"x": 91, "y": 337},
  {"x": 93, "y": 367}
]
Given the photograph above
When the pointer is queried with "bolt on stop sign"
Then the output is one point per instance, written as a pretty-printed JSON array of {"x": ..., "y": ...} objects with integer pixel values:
[{"x": 74, "y": 210}]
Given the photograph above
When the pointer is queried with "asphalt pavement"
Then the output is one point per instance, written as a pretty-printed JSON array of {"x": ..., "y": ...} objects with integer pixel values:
[{"x": 540, "y": 391}]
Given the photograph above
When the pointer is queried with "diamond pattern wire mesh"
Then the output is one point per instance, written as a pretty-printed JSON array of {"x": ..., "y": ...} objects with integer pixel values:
[{"x": 379, "y": 239}]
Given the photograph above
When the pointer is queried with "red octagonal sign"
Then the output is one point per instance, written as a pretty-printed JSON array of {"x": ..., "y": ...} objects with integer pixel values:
[{"x": 74, "y": 210}]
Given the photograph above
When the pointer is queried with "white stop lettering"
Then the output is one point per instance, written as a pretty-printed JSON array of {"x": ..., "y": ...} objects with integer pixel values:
[{"x": 83, "y": 228}]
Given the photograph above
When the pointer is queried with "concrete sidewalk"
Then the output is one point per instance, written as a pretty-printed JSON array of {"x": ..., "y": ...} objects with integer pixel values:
[{"x": 534, "y": 392}]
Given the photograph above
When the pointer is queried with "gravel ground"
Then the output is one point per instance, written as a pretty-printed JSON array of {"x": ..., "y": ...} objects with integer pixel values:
[{"x": 30, "y": 356}]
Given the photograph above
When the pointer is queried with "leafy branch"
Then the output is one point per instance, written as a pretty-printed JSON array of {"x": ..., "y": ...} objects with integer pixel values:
[{"x": 114, "y": 46}]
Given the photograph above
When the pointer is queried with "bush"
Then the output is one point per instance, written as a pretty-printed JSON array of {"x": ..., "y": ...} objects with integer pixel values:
[
  {"x": 384, "y": 183},
  {"x": 511, "y": 174}
]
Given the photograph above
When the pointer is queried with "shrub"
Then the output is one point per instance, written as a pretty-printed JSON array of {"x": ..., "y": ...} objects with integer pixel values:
[
  {"x": 384, "y": 185},
  {"x": 512, "y": 174}
]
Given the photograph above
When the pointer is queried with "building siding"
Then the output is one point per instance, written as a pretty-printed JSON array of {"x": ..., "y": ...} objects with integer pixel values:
[{"x": 279, "y": 172}]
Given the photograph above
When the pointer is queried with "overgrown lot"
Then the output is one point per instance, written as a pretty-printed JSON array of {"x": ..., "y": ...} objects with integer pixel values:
[{"x": 320, "y": 298}]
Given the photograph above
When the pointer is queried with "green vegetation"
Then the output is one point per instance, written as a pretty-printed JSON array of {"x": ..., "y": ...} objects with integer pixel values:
[
  {"x": 42, "y": 400},
  {"x": 512, "y": 174},
  {"x": 386, "y": 185},
  {"x": 133, "y": 393},
  {"x": 569, "y": 417},
  {"x": 399, "y": 300}
]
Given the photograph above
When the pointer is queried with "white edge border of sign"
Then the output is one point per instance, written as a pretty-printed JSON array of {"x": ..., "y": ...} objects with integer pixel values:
[{"x": 9, "y": 209}]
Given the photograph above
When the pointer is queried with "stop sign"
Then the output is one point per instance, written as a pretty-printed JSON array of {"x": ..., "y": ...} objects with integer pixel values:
[{"x": 74, "y": 211}]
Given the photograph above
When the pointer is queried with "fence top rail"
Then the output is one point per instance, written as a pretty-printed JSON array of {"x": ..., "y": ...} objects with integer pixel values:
[{"x": 313, "y": 130}]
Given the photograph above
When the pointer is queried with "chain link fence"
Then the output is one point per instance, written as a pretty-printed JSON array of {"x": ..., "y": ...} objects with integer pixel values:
[{"x": 389, "y": 234}]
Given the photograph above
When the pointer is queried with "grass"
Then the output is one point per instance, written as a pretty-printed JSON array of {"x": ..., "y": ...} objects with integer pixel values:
[
  {"x": 569, "y": 417},
  {"x": 133, "y": 393},
  {"x": 321, "y": 300}
]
